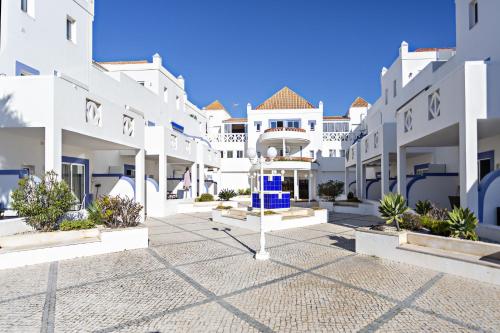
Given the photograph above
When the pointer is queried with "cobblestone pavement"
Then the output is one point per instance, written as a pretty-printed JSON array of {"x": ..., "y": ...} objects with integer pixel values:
[{"x": 198, "y": 276}]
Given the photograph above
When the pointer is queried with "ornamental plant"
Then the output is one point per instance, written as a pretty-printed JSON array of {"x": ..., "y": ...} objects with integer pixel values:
[
  {"x": 462, "y": 223},
  {"x": 76, "y": 225},
  {"x": 226, "y": 194},
  {"x": 117, "y": 212},
  {"x": 423, "y": 207},
  {"x": 392, "y": 207},
  {"x": 205, "y": 197},
  {"x": 42, "y": 203},
  {"x": 331, "y": 190}
]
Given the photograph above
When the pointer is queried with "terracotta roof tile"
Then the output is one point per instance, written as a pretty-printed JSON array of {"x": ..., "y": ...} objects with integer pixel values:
[
  {"x": 285, "y": 99},
  {"x": 235, "y": 120},
  {"x": 433, "y": 49},
  {"x": 214, "y": 106},
  {"x": 335, "y": 118},
  {"x": 359, "y": 103},
  {"x": 131, "y": 62}
]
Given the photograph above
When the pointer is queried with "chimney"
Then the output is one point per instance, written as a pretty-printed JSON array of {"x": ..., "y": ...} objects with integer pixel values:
[
  {"x": 403, "y": 50},
  {"x": 157, "y": 60},
  {"x": 180, "y": 79}
]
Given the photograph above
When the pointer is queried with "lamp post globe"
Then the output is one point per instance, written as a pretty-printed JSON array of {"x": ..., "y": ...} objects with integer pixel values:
[
  {"x": 272, "y": 153},
  {"x": 251, "y": 153}
]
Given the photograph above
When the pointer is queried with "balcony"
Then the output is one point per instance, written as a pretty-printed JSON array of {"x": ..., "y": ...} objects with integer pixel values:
[
  {"x": 289, "y": 134},
  {"x": 230, "y": 137}
]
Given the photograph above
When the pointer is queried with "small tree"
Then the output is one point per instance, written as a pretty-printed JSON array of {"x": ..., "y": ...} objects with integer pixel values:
[
  {"x": 226, "y": 194},
  {"x": 331, "y": 190},
  {"x": 43, "y": 203},
  {"x": 392, "y": 207}
]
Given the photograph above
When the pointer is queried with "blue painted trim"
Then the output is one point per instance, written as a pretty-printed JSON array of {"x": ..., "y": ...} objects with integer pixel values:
[
  {"x": 131, "y": 181},
  {"x": 424, "y": 176},
  {"x": 177, "y": 127},
  {"x": 111, "y": 175},
  {"x": 199, "y": 138},
  {"x": 483, "y": 189},
  {"x": 417, "y": 167},
  {"x": 21, "y": 173},
  {"x": 85, "y": 162},
  {"x": 20, "y": 68},
  {"x": 155, "y": 183},
  {"x": 394, "y": 182}
]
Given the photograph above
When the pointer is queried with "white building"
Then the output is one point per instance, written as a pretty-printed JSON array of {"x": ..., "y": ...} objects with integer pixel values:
[
  {"x": 444, "y": 119},
  {"x": 122, "y": 128},
  {"x": 309, "y": 144}
]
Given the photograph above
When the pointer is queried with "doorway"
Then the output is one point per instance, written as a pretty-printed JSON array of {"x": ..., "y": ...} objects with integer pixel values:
[
  {"x": 75, "y": 172},
  {"x": 485, "y": 163}
]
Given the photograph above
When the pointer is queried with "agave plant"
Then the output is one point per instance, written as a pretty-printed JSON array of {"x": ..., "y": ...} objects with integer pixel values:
[
  {"x": 423, "y": 207},
  {"x": 392, "y": 207},
  {"x": 462, "y": 223}
]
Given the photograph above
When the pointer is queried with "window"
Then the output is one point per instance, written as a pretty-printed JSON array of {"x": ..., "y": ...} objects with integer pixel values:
[
  {"x": 71, "y": 29},
  {"x": 165, "y": 94},
  {"x": 177, "y": 102},
  {"x": 28, "y": 7},
  {"x": 331, "y": 153},
  {"x": 342, "y": 153},
  {"x": 221, "y": 154},
  {"x": 142, "y": 83},
  {"x": 173, "y": 141},
  {"x": 258, "y": 154},
  {"x": 239, "y": 154},
  {"x": 229, "y": 154},
  {"x": 386, "y": 94},
  {"x": 284, "y": 123},
  {"x": 473, "y": 13},
  {"x": 24, "y": 5},
  {"x": 311, "y": 153},
  {"x": 339, "y": 126},
  {"x": 312, "y": 125},
  {"x": 257, "y": 125},
  {"x": 394, "y": 88}
]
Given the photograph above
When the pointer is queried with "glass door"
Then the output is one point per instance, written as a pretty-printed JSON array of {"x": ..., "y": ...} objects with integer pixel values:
[{"x": 74, "y": 175}]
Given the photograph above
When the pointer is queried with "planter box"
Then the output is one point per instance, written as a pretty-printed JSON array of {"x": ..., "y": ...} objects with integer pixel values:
[
  {"x": 30, "y": 249},
  {"x": 367, "y": 207},
  {"x": 12, "y": 226},
  {"x": 454, "y": 256}
]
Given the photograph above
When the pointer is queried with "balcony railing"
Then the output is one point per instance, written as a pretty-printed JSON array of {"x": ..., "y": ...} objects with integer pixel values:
[
  {"x": 335, "y": 136},
  {"x": 230, "y": 137},
  {"x": 285, "y": 129},
  {"x": 293, "y": 159}
]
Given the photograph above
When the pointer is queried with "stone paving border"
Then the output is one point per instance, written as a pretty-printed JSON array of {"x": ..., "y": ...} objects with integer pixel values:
[{"x": 49, "y": 308}]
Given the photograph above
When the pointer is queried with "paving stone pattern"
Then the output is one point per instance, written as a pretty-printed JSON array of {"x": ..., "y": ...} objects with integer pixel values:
[{"x": 200, "y": 276}]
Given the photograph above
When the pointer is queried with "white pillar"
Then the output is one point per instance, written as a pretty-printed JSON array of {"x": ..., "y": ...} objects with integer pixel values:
[
  {"x": 202, "y": 178},
  {"x": 363, "y": 193},
  {"x": 162, "y": 176},
  {"x": 194, "y": 180},
  {"x": 385, "y": 167},
  {"x": 140, "y": 182},
  {"x": 402, "y": 171},
  {"x": 468, "y": 165},
  {"x": 284, "y": 147},
  {"x": 295, "y": 184},
  {"x": 53, "y": 150}
]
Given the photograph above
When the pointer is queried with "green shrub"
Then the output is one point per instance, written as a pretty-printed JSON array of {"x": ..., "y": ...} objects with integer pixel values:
[
  {"x": 244, "y": 191},
  {"x": 205, "y": 197},
  {"x": 462, "y": 223},
  {"x": 118, "y": 212},
  {"x": 331, "y": 190},
  {"x": 42, "y": 204},
  {"x": 95, "y": 213},
  {"x": 423, "y": 207},
  {"x": 436, "y": 227},
  {"x": 410, "y": 221},
  {"x": 440, "y": 214},
  {"x": 222, "y": 207},
  {"x": 392, "y": 207},
  {"x": 226, "y": 194},
  {"x": 350, "y": 196},
  {"x": 67, "y": 225}
]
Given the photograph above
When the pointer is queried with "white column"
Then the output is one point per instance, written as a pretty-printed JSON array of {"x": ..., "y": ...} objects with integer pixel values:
[
  {"x": 402, "y": 171},
  {"x": 363, "y": 182},
  {"x": 202, "y": 178},
  {"x": 385, "y": 167},
  {"x": 53, "y": 150},
  {"x": 194, "y": 180},
  {"x": 468, "y": 165},
  {"x": 162, "y": 176},
  {"x": 295, "y": 184},
  {"x": 140, "y": 182},
  {"x": 284, "y": 147}
]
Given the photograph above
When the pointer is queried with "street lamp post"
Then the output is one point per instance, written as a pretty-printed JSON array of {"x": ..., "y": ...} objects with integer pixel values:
[{"x": 262, "y": 254}]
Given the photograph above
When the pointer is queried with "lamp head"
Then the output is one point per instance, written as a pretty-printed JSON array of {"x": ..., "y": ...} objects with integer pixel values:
[
  {"x": 251, "y": 153},
  {"x": 271, "y": 153}
]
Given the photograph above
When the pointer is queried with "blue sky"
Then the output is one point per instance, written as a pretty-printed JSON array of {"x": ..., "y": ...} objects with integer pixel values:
[{"x": 241, "y": 51}]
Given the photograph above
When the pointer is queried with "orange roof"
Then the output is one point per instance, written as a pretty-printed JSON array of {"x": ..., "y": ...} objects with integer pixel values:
[
  {"x": 433, "y": 49},
  {"x": 335, "y": 118},
  {"x": 235, "y": 120},
  {"x": 359, "y": 103},
  {"x": 215, "y": 105},
  {"x": 131, "y": 62},
  {"x": 285, "y": 99}
]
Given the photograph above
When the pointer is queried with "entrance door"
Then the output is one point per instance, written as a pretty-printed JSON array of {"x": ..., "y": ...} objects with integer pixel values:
[
  {"x": 74, "y": 175},
  {"x": 304, "y": 189},
  {"x": 287, "y": 185},
  {"x": 485, "y": 163}
]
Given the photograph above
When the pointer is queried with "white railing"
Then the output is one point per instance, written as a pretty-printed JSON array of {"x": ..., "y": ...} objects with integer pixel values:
[
  {"x": 230, "y": 137},
  {"x": 335, "y": 136}
]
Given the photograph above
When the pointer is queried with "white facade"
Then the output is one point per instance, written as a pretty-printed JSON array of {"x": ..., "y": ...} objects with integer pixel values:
[
  {"x": 443, "y": 120},
  {"x": 102, "y": 127},
  {"x": 309, "y": 144}
]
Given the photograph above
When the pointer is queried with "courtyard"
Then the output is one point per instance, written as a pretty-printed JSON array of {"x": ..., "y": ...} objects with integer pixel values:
[{"x": 200, "y": 276}]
